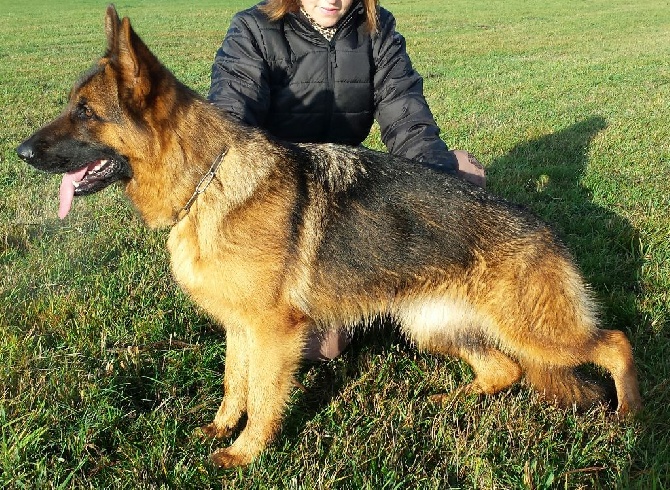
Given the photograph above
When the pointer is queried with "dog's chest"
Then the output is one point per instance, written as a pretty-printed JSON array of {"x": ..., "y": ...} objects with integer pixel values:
[
  {"x": 218, "y": 272},
  {"x": 199, "y": 262},
  {"x": 184, "y": 258}
]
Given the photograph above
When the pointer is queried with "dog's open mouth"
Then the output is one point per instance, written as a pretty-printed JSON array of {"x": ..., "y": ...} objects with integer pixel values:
[{"x": 91, "y": 178}]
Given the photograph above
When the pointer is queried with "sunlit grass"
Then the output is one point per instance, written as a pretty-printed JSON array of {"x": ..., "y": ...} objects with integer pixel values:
[{"x": 107, "y": 368}]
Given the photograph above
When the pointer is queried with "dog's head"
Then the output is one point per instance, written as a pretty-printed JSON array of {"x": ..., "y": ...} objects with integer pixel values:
[{"x": 94, "y": 141}]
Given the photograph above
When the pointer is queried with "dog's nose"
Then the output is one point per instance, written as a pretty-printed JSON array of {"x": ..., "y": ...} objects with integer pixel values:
[{"x": 25, "y": 151}]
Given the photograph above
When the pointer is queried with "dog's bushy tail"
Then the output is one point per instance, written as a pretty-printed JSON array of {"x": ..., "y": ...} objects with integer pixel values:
[{"x": 566, "y": 387}]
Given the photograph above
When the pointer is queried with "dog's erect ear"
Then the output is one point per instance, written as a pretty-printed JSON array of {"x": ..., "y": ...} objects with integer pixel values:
[
  {"x": 130, "y": 55},
  {"x": 112, "y": 23},
  {"x": 131, "y": 49}
]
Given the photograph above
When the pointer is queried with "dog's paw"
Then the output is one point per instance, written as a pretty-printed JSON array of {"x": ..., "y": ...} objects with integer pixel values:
[
  {"x": 629, "y": 406},
  {"x": 445, "y": 399},
  {"x": 211, "y": 431},
  {"x": 230, "y": 458}
]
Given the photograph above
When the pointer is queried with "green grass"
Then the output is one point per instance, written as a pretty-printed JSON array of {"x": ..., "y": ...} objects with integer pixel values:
[{"x": 106, "y": 368}]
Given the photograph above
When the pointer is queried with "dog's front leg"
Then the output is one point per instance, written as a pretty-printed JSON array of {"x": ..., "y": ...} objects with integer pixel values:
[
  {"x": 235, "y": 385},
  {"x": 274, "y": 352}
]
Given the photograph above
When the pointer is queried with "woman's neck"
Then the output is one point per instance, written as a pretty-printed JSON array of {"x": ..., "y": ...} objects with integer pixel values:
[{"x": 327, "y": 32}]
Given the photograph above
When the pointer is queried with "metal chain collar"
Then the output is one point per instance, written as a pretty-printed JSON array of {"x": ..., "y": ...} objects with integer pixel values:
[{"x": 202, "y": 185}]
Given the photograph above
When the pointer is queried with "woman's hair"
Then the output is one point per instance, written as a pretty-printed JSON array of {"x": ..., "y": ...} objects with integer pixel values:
[{"x": 276, "y": 9}]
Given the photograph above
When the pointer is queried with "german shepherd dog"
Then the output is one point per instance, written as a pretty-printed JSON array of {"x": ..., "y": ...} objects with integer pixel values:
[{"x": 279, "y": 241}]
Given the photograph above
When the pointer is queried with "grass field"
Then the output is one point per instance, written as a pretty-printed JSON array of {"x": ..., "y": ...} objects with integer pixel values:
[{"x": 107, "y": 369}]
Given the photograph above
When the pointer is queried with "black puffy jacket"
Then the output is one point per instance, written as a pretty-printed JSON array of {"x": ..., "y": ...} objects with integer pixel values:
[{"x": 287, "y": 78}]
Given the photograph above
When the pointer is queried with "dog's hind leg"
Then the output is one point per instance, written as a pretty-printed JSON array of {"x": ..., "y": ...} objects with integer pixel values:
[
  {"x": 613, "y": 352},
  {"x": 494, "y": 371},
  {"x": 275, "y": 344},
  {"x": 551, "y": 327},
  {"x": 452, "y": 328},
  {"x": 551, "y": 370},
  {"x": 235, "y": 385}
]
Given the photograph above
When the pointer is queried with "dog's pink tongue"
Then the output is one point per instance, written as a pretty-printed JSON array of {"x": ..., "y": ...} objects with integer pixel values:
[{"x": 67, "y": 190}]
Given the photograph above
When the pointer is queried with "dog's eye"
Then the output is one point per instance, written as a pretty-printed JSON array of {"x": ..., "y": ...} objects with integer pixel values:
[{"x": 84, "y": 111}]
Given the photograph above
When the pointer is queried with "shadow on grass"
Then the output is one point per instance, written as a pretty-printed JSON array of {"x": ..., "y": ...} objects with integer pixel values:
[{"x": 545, "y": 175}]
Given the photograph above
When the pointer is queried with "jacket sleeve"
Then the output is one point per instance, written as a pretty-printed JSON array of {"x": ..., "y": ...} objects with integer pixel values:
[
  {"x": 239, "y": 83},
  {"x": 407, "y": 125}
]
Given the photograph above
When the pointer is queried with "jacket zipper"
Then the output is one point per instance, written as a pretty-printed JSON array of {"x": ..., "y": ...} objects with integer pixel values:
[
  {"x": 330, "y": 87},
  {"x": 332, "y": 64}
]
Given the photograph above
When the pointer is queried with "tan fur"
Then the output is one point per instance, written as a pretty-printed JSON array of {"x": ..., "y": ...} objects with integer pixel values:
[{"x": 255, "y": 250}]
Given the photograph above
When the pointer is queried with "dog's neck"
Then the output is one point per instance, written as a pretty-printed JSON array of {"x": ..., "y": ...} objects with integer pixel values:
[
  {"x": 202, "y": 185},
  {"x": 185, "y": 159},
  {"x": 171, "y": 166}
]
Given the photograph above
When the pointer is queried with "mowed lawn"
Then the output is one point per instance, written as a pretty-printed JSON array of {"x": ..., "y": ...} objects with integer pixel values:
[{"x": 107, "y": 369}]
